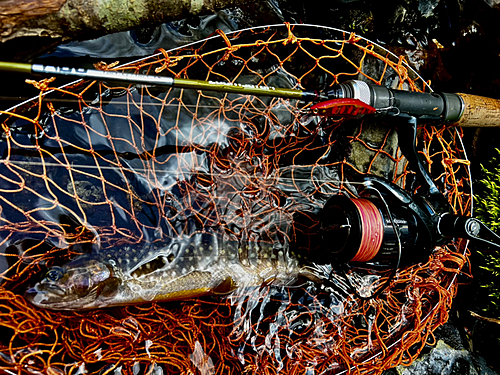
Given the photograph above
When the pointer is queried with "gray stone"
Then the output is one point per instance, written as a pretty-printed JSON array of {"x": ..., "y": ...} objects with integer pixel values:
[
  {"x": 492, "y": 3},
  {"x": 370, "y": 160},
  {"x": 444, "y": 360},
  {"x": 450, "y": 335},
  {"x": 426, "y": 7}
]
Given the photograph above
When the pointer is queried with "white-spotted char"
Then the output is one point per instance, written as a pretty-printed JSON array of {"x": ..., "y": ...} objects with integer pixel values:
[{"x": 191, "y": 267}]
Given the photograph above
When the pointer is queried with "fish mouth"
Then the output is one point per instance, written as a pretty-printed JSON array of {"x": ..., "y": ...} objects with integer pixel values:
[
  {"x": 53, "y": 297},
  {"x": 49, "y": 296},
  {"x": 40, "y": 298},
  {"x": 50, "y": 289}
]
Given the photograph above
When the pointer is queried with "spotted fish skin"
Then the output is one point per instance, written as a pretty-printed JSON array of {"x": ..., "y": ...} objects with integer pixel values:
[{"x": 187, "y": 267}]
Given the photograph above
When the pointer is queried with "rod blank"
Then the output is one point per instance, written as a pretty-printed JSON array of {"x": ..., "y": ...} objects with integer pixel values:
[{"x": 153, "y": 80}]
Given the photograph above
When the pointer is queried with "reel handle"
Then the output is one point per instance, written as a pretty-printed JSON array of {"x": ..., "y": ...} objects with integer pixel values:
[{"x": 467, "y": 227}]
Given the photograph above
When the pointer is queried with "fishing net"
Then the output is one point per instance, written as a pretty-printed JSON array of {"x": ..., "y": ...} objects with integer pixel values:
[{"x": 93, "y": 166}]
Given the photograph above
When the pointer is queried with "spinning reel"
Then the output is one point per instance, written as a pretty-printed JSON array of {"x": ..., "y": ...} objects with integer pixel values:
[{"x": 386, "y": 225}]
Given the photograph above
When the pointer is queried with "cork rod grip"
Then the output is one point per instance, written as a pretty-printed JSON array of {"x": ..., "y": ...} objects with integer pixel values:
[{"x": 479, "y": 111}]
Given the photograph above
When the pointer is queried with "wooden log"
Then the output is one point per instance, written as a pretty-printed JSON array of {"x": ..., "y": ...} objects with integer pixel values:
[{"x": 86, "y": 19}]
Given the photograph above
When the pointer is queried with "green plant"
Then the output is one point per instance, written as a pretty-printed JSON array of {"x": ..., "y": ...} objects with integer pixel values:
[{"x": 488, "y": 211}]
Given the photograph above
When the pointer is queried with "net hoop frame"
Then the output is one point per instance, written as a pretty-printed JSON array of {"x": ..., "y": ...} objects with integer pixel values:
[{"x": 453, "y": 279}]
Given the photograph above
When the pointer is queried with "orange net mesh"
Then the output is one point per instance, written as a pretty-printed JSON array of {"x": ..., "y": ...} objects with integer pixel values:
[{"x": 127, "y": 166}]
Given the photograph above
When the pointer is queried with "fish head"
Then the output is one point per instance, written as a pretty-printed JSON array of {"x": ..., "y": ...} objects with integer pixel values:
[{"x": 85, "y": 282}]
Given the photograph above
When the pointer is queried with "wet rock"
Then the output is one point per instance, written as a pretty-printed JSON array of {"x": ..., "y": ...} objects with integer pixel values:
[
  {"x": 450, "y": 335},
  {"x": 493, "y": 3},
  {"x": 426, "y": 7},
  {"x": 445, "y": 360},
  {"x": 447, "y": 357},
  {"x": 365, "y": 154},
  {"x": 147, "y": 40}
]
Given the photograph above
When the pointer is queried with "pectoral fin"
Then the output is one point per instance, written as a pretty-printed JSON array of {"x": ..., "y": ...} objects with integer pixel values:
[{"x": 226, "y": 286}]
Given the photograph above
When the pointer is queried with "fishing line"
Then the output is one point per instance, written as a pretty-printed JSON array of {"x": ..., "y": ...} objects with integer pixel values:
[
  {"x": 372, "y": 230},
  {"x": 112, "y": 102},
  {"x": 147, "y": 104}
]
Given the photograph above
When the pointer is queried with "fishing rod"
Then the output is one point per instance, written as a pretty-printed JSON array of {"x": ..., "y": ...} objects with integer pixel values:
[{"x": 351, "y": 98}]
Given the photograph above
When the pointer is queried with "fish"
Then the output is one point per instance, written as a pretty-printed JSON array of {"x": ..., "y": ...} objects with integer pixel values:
[{"x": 186, "y": 268}]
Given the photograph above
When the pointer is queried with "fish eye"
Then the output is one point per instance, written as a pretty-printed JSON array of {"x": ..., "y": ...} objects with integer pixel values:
[{"x": 54, "y": 274}]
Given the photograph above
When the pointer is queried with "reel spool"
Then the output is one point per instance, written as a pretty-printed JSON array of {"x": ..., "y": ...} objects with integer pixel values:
[{"x": 366, "y": 230}]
